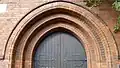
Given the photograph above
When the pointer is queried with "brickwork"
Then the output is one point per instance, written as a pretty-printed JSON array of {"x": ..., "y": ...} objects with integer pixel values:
[{"x": 16, "y": 9}]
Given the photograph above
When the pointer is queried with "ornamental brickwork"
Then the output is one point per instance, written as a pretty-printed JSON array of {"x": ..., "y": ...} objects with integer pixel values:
[{"x": 96, "y": 27}]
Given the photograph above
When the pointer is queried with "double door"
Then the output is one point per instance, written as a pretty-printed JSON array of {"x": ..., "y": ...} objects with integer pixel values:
[{"x": 60, "y": 50}]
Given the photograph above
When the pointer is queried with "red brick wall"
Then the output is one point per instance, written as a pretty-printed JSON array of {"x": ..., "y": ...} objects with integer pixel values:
[{"x": 16, "y": 9}]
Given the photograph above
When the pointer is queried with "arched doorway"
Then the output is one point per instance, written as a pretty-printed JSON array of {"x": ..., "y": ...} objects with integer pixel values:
[
  {"x": 60, "y": 50},
  {"x": 98, "y": 42}
]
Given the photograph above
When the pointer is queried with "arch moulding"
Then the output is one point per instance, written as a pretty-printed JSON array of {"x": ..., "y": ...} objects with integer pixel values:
[{"x": 98, "y": 41}]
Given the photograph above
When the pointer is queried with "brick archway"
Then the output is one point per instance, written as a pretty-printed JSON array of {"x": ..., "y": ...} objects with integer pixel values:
[{"x": 98, "y": 41}]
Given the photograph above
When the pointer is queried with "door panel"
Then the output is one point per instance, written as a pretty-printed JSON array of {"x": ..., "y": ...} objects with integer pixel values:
[
  {"x": 60, "y": 50},
  {"x": 72, "y": 53},
  {"x": 48, "y": 53}
]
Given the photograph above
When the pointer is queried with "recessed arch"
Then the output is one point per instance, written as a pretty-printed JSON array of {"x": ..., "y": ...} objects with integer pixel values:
[{"x": 98, "y": 41}]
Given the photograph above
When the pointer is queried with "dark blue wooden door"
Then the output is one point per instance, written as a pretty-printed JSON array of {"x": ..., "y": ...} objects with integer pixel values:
[{"x": 60, "y": 50}]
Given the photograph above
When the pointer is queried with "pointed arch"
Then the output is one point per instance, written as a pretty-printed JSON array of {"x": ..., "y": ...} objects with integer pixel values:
[{"x": 98, "y": 41}]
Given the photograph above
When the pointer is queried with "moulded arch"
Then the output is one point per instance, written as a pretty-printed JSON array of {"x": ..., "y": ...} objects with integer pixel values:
[{"x": 98, "y": 41}]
